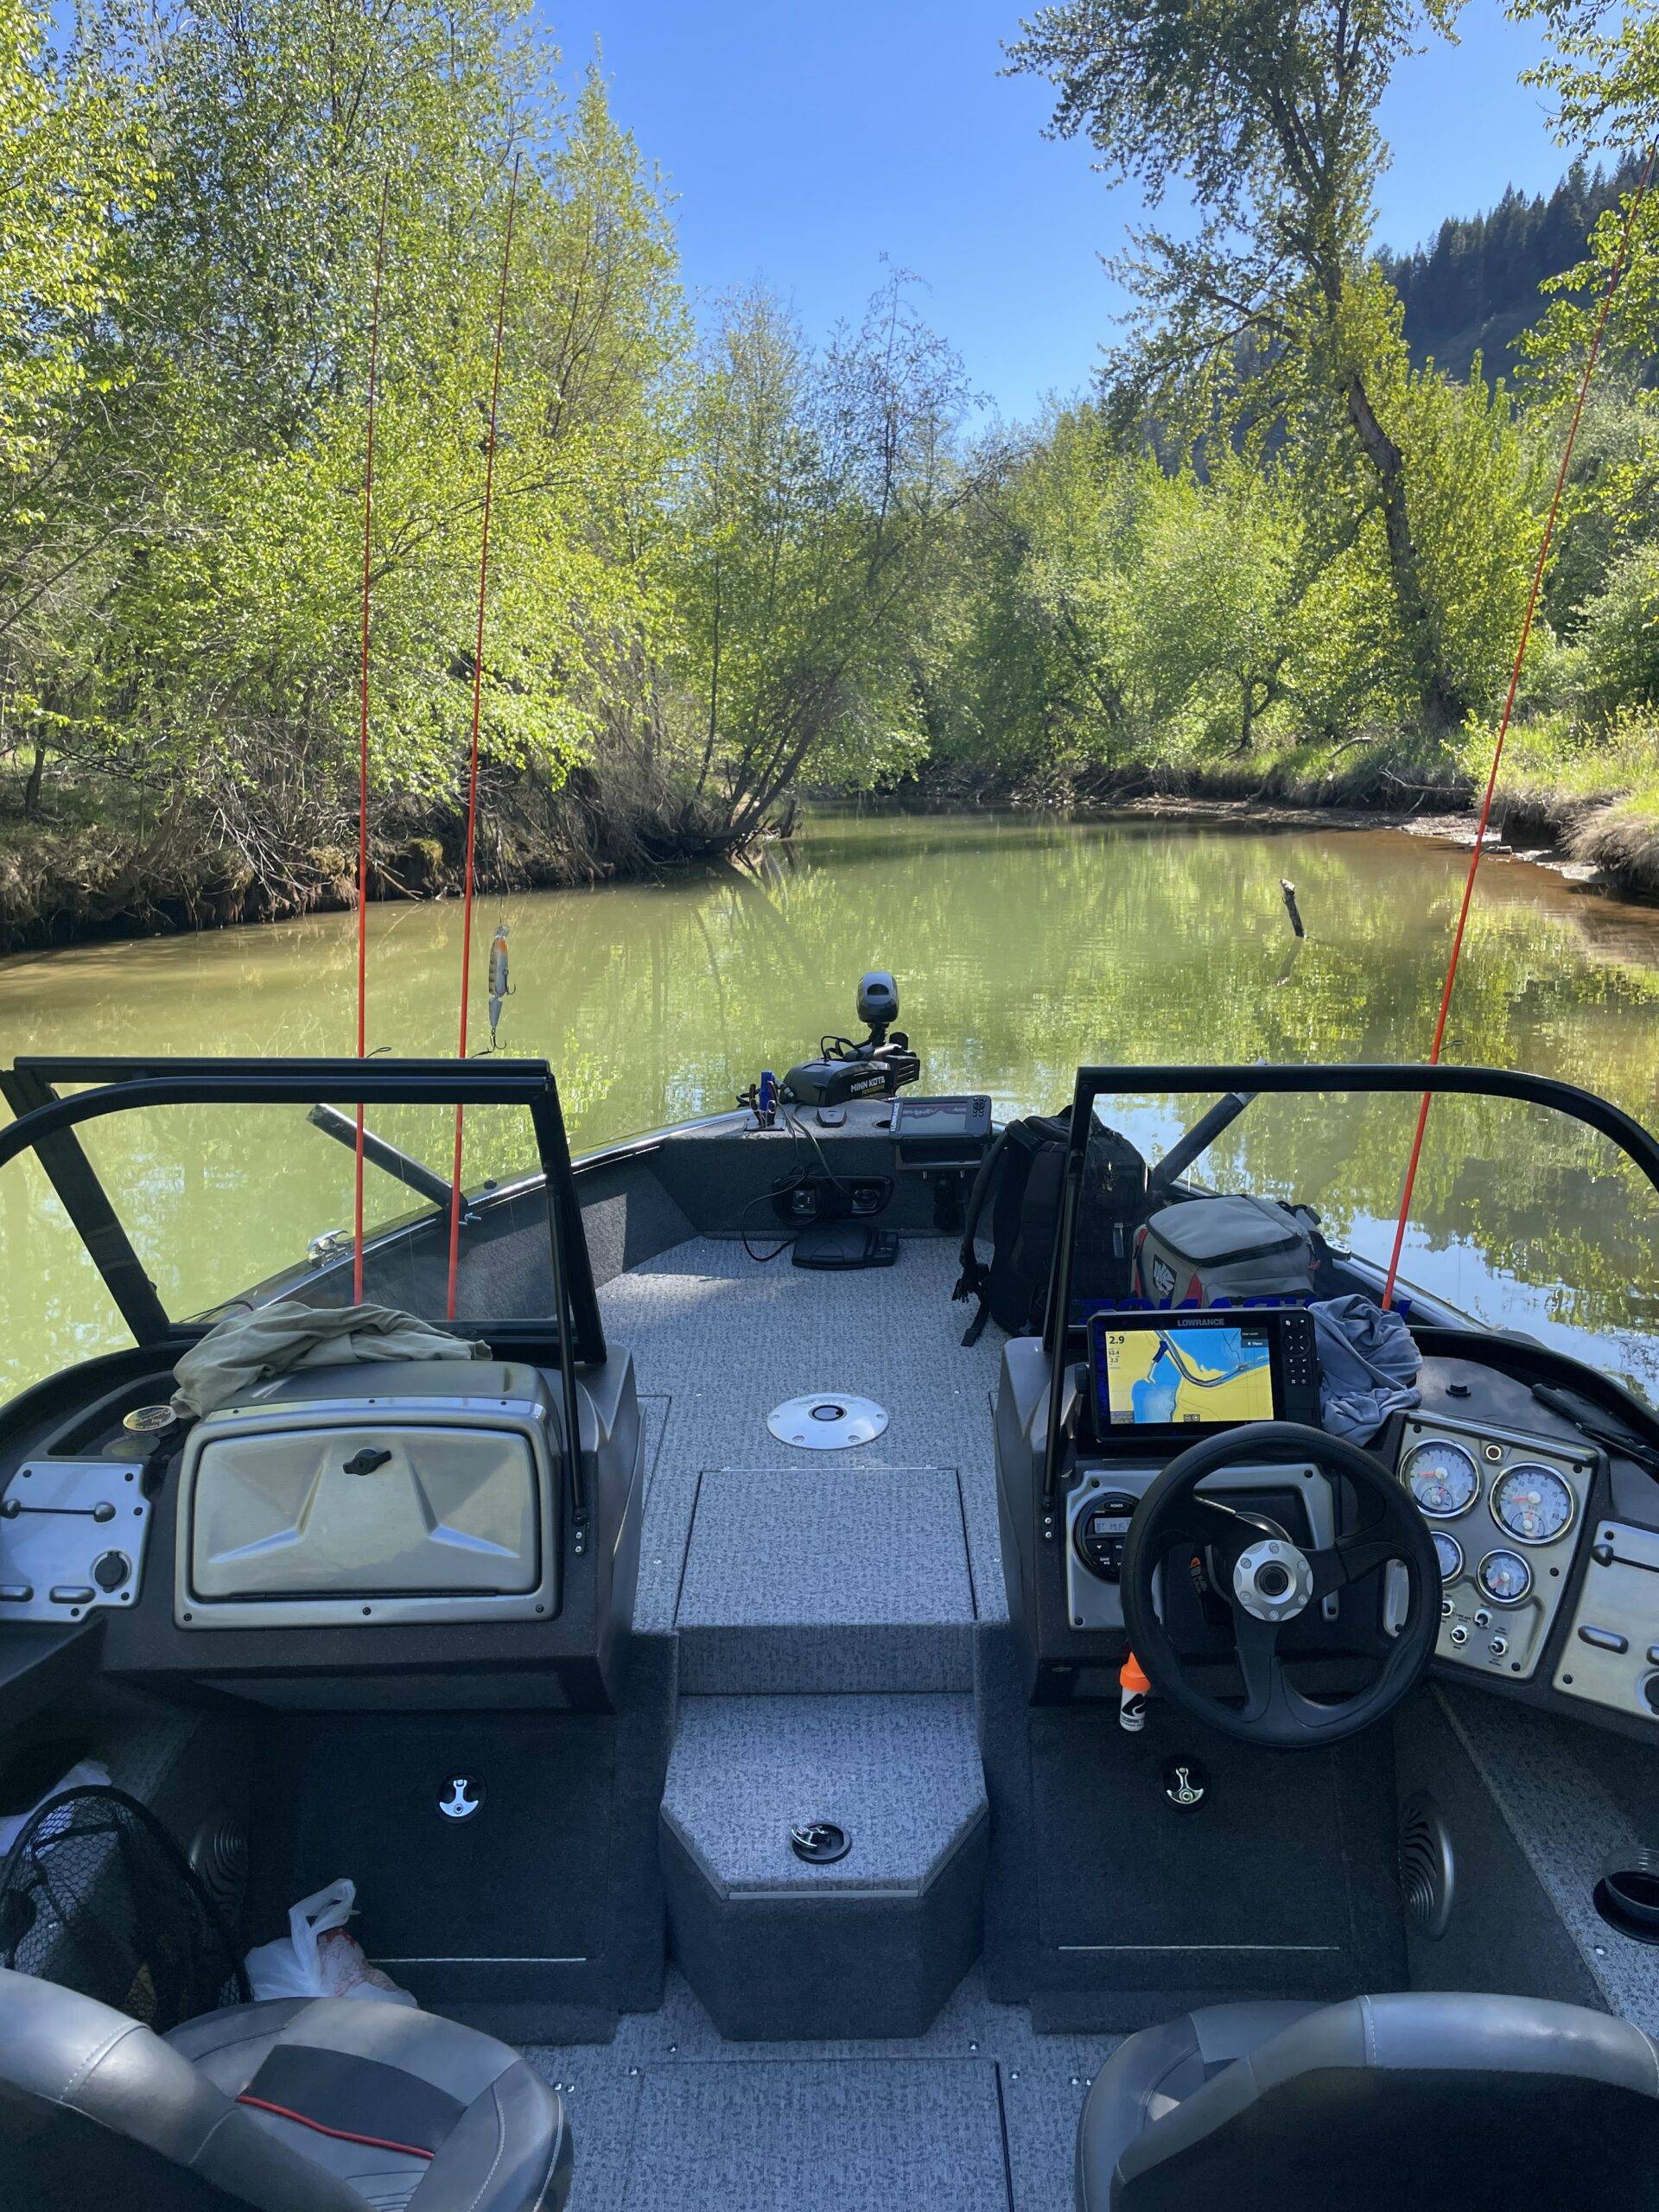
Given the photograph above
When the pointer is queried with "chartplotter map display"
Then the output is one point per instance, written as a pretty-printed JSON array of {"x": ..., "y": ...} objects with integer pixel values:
[{"x": 1161, "y": 1377}]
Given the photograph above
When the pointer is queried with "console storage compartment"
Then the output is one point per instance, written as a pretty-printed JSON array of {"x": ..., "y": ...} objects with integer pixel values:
[{"x": 414, "y": 1491}]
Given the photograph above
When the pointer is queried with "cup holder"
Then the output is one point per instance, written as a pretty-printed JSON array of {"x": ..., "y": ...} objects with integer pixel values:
[{"x": 1627, "y": 1896}]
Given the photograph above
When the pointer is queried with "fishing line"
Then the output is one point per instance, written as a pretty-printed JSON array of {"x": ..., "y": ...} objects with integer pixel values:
[
  {"x": 1617, "y": 272},
  {"x": 478, "y": 695},
  {"x": 363, "y": 747}
]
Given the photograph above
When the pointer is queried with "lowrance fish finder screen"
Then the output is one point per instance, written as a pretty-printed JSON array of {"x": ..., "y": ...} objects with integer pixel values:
[{"x": 1181, "y": 1375}]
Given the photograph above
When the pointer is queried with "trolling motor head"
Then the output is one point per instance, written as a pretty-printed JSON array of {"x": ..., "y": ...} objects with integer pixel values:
[
  {"x": 875, "y": 1067},
  {"x": 878, "y": 1003}
]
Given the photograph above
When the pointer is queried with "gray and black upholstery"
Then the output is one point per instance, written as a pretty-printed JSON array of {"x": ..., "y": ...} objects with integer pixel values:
[
  {"x": 1419, "y": 2102},
  {"x": 299, "y": 2105}
]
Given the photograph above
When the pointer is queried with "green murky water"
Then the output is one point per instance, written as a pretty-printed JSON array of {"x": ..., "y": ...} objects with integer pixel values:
[{"x": 1020, "y": 949}]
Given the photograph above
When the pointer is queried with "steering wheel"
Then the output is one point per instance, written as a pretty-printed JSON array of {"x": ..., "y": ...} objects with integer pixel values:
[{"x": 1269, "y": 1580}]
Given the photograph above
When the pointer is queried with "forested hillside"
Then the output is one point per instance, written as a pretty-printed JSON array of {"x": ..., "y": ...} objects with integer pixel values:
[
  {"x": 1477, "y": 288},
  {"x": 733, "y": 563}
]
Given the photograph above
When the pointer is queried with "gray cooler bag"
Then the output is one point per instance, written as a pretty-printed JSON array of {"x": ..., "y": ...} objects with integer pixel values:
[{"x": 1207, "y": 1249}]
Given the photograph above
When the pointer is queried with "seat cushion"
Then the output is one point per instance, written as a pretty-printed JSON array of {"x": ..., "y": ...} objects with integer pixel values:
[
  {"x": 408, "y": 2109},
  {"x": 1151, "y": 2073},
  {"x": 95, "y": 2110},
  {"x": 1377, "y": 2103}
]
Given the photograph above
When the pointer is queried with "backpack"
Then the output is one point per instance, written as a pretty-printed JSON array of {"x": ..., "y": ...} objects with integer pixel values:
[{"x": 1027, "y": 1160}]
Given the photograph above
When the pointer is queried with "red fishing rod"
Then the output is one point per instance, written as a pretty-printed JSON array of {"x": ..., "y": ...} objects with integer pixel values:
[
  {"x": 1615, "y": 273},
  {"x": 478, "y": 697},
  {"x": 363, "y": 745}
]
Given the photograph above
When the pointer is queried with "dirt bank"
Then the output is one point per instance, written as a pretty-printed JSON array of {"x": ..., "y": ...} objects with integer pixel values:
[
  {"x": 1608, "y": 842},
  {"x": 64, "y": 881}
]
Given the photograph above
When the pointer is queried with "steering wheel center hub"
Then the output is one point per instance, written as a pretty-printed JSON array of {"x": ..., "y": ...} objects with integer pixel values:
[{"x": 1272, "y": 1580}]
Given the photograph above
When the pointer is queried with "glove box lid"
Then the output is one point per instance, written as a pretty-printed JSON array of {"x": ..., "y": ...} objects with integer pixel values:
[{"x": 315, "y": 1504}]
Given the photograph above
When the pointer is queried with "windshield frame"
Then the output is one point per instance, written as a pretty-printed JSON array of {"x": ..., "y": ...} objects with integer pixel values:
[
  {"x": 1243, "y": 1081},
  {"x": 46, "y": 1122}
]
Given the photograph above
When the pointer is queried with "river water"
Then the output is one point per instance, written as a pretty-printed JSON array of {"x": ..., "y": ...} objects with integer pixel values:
[{"x": 1021, "y": 948}]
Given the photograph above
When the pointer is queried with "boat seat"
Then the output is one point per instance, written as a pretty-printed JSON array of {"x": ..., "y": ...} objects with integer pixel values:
[
  {"x": 1424, "y": 2100},
  {"x": 296, "y": 2104}
]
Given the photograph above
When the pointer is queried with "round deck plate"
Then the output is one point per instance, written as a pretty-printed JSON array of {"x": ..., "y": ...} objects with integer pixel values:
[{"x": 827, "y": 1420}]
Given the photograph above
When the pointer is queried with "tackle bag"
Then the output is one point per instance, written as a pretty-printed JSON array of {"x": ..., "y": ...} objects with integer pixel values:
[
  {"x": 1027, "y": 1163},
  {"x": 1206, "y": 1249}
]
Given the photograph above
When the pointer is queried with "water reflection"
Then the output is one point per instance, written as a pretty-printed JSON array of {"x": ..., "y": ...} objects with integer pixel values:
[{"x": 1021, "y": 948}]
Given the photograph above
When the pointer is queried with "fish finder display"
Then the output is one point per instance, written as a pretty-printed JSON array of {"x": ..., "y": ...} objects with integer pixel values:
[{"x": 1174, "y": 1376}]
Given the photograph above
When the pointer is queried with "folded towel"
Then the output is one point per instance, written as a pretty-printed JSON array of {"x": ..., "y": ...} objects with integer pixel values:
[
  {"x": 247, "y": 1349},
  {"x": 1367, "y": 1363}
]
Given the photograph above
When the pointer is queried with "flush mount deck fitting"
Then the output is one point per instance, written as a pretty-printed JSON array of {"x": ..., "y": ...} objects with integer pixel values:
[{"x": 827, "y": 1420}]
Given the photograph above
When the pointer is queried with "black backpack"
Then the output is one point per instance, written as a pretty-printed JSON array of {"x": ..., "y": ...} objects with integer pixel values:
[{"x": 1030, "y": 1154}]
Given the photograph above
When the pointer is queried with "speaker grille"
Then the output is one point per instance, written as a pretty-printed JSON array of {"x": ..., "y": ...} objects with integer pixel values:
[
  {"x": 1426, "y": 1866},
  {"x": 218, "y": 1858}
]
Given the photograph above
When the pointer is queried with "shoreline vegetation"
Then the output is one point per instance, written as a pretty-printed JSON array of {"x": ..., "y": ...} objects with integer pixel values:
[
  {"x": 1272, "y": 558},
  {"x": 68, "y": 887}
]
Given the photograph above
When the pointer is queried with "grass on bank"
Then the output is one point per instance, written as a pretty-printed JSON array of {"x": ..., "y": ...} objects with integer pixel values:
[
  {"x": 99, "y": 857},
  {"x": 1593, "y": 794},
  {"x": 98, "y": 863},
  {"x": 1590, "y": 792}
]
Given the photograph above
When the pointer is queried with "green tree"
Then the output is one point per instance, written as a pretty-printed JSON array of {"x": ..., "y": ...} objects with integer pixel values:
[
  {"x": 220, "y": 665},
  {"x": 1223, "y": 586},
  {"x": 73, "y": 176},
  {"x": 818, "y": 490},
  {"x": 1269, "y": 113},
  {"x": 1602, "y": 73},
  {"x": 73, "y": 169}
]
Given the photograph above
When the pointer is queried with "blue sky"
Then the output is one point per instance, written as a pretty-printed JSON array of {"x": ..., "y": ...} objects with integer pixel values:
[{"x": 804, "y": 142}]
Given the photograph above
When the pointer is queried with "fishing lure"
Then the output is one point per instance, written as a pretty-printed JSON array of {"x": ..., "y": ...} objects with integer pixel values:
[{"x": 500, "y": 991}]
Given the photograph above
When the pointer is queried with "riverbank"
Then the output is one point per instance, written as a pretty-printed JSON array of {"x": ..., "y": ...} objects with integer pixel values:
[
  {"x": 101, "y": 870},
  {"x": 1588, "y": 811},
  {"x": 81, "y": 875}
]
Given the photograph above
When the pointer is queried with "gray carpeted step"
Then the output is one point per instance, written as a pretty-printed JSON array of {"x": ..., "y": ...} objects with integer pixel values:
[
  {"x": 860, "y": 2136},
  {"x": 900, "y": 1775},
  {"x": 871, "y": 1943},
  {"x": 827, "y": 1578}
]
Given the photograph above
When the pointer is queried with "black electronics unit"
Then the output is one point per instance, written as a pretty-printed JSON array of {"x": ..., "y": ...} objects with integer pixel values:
[
  {"x": 1170, "y": 1378},
  {"x": 941, "y": 1133}
]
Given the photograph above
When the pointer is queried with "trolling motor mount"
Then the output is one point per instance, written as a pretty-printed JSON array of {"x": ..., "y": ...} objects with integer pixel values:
[{"x": 875, "y": 1066}]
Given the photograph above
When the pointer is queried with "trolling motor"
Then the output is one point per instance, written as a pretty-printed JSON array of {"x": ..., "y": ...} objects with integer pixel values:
[{"x": 875, "y": 1067}]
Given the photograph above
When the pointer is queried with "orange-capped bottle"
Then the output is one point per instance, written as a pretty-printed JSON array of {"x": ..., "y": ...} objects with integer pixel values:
[{"x": 1132, "y": 1688}]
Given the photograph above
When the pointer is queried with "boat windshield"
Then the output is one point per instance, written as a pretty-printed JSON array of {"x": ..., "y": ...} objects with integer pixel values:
[
  {"x": 218, "y": 1200},
  {"x": 1526, "y": 1216},
  {"x": 1523, "y": 1217}
]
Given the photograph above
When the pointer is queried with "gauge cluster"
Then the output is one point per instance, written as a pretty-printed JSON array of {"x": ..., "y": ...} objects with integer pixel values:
[{"x": 1504, "y": 1511}]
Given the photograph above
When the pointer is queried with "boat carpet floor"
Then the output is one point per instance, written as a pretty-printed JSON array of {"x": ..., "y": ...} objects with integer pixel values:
[
  {"x": 977, "y": 2115},
  {"x": 718, "y": 1340},
  {"x": 1577, "y": 1801}
]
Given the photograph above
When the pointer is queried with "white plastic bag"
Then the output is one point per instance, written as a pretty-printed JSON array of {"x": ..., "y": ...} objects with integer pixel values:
[{"x": 317, "y": 1958}]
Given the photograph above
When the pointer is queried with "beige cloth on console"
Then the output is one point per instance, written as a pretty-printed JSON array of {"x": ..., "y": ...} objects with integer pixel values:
[{"x": 247, "y": 1349}]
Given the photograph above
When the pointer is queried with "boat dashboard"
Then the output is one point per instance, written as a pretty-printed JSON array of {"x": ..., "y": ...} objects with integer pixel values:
[
  {"x": 1547, "y": 1542},
  {"x": 1539, "y": 1503}
]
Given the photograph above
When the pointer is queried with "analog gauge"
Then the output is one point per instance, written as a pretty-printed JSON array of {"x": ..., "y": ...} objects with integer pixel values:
[
  {"x": 1443, "y": 1480},
  {"x": 1449, "y": 1552},
  {"x": 1532, "y": 1504},
  {"x": 1505, "y": 1576}
]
